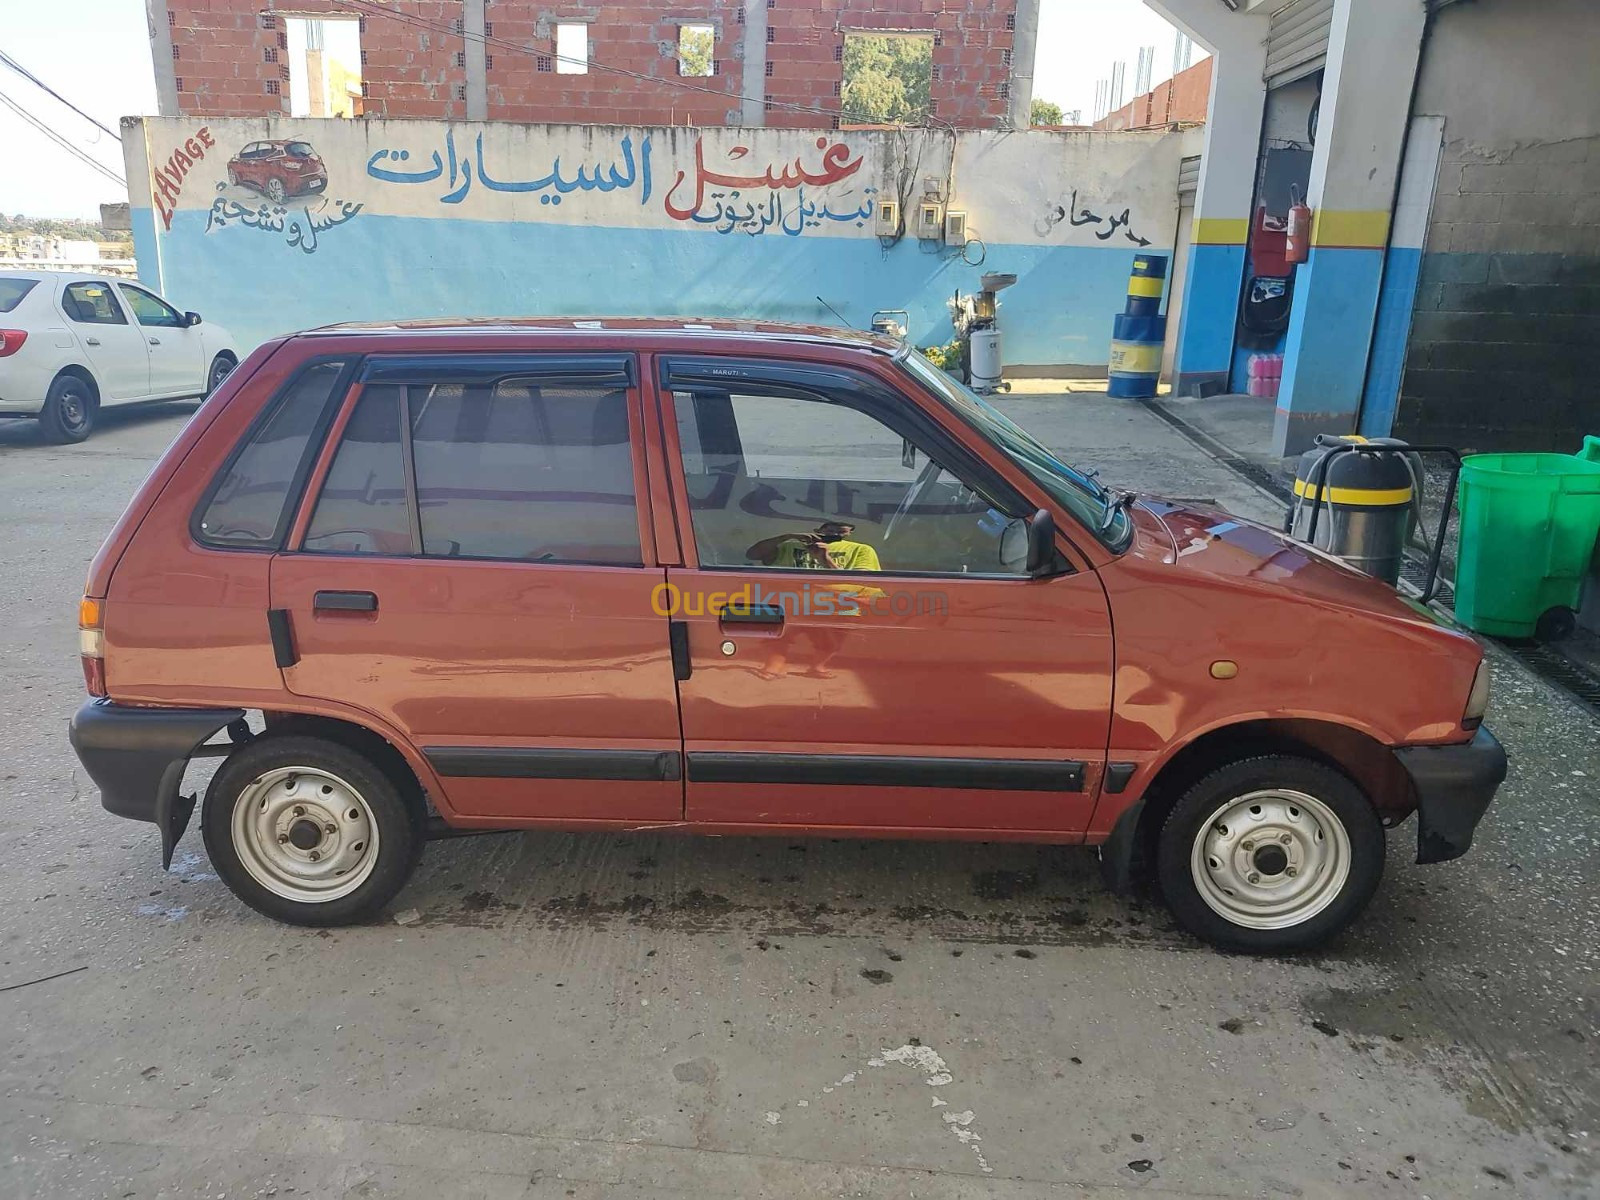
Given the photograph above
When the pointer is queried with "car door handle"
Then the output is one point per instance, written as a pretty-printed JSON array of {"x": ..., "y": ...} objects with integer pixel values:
[
  {"x": 155, "y": 341},
  {"x": 345, "y": 602},
  {"x": 755, "y": 614},
  {"x": 92, "y": 341}
]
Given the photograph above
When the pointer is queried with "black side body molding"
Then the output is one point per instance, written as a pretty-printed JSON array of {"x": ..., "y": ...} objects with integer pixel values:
[
  {"x": 516, "y": 762},
  {"x": 997, "y": 774},
  {"x": 136, "y": 758}
]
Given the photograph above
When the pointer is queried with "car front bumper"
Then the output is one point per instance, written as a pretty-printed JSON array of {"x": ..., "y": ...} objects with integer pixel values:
[
  {"x": 136, "y": 757},
  {"x": 1454, "y": 785}
]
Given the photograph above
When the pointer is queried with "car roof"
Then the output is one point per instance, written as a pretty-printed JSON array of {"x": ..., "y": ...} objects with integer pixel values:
[
  {"x": 61, "y": 276},
  {"x": 633, "y": 330}
]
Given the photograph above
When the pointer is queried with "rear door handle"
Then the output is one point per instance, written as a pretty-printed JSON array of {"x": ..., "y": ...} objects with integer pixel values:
[
  {"x": 155, "y": 341},
  {"x": 756, "y": 614},
  {"x": 92, "y": 341},
  {"x": 345, "y": 602}
]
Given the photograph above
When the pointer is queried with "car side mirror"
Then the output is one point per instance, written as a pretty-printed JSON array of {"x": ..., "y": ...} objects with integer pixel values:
[
  {"x": 191, "y": 319},
  {"x": 1041, "y": 544}
]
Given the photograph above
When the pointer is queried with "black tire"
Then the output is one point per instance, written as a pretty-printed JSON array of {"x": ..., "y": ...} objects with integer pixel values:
[
  {"x": 396, "y": 814},
  {"x": 70, "y": 407},
  {"x": 1196, "y": 810},
  {"x": 1556, "y": 625},
  {"x": 221, "y": 367}
]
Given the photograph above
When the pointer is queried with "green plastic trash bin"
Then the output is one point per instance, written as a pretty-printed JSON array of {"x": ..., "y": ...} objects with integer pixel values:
[{"x": 1528, "y": 529}]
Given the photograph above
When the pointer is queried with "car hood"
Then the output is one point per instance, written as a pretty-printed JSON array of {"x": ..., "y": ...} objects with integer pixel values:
[{"x": 1245, "y": 554}]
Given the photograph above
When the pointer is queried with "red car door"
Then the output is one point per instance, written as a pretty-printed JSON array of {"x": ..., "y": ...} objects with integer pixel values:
[
  {"x": 864, "y": 649},
  {"x": 471, "y": 566}
]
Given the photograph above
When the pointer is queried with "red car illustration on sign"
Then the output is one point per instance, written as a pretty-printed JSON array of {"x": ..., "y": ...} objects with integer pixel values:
[{"x": 278, "y": 169}]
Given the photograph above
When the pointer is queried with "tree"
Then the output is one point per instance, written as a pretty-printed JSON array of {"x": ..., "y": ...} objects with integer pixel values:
[
  {"x": 1044, "y": 113},
  {"x": 886, "y": 79},
  {"x": 696, "y": 44}
]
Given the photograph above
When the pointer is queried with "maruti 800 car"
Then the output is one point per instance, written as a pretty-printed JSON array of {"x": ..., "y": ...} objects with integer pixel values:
[{"x": 737, "y": 578}]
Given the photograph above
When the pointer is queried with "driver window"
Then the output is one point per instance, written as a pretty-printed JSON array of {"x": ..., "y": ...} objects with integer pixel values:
[{"x": 797, "y": 481}]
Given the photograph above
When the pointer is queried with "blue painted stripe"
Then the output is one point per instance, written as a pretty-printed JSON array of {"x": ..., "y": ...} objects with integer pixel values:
[
  {"x": 1401, "y": 275},
  {"x": 1330, "y": 329},
  {"x": 377, "y": 267},
  {"x": 1210, "y": 307}
]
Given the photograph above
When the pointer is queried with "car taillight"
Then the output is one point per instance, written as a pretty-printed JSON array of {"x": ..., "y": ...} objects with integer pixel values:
[
  {"x": 92, "y": 644},
  {"x": 11, "y": 341}
]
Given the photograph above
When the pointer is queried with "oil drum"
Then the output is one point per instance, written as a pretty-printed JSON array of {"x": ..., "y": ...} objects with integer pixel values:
[{"x": 1367, "y": 496}]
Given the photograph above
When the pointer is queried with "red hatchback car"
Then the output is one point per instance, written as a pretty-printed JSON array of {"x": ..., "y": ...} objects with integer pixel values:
[
  {"x": 278, "y": 169},
  {"x": 739, "y": 578}
]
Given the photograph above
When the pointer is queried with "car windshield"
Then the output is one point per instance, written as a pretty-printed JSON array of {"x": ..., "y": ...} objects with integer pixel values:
[
  {"x": 1101, "y": 511},
  {"x": 13, "y": 290},
  {"x": 300, "y": 149}
]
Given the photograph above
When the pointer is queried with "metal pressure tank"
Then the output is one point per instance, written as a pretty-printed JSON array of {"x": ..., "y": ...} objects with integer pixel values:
[{"x": 1367, "y": 490}]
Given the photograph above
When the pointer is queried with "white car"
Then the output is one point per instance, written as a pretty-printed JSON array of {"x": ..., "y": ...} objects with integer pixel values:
[{"x": 71, "y": 344}]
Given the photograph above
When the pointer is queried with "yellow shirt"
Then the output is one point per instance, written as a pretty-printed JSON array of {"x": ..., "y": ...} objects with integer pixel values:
[{"x": 842, "y": 556}]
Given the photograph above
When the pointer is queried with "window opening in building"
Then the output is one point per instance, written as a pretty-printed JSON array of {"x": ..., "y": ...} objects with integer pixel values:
[
  {"x": 886, "y": 77},
  {"x": 572, "y": 49},
  {"x": 324, "y": 57},
  {"x": 696, "y": 50}
]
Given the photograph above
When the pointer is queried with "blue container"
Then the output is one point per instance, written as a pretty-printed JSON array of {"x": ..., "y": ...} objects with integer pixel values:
[{"x": 1136, "y": 347}]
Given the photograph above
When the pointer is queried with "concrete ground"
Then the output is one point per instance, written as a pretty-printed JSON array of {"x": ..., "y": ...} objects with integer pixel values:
[{"x": 648, "y": 1016}]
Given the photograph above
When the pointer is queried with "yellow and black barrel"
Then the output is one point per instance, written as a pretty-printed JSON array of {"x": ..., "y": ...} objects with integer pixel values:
[
  {"x": 1139, "y": 332},
  {"x": 1366, "y": 506}
]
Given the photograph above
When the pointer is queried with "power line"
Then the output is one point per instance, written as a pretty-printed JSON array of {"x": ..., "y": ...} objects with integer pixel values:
[
  {"x": 370, "y": 9},
  {"x": 34, "y": 79},
  {"x": 61, "y": 141}
]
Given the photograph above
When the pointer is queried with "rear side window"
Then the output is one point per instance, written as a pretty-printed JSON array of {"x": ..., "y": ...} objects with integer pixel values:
[
  {"x": 519, "y": 469},
  {"x": 13, "y": 290},
  {"x": 92, "y": 304},
  {"x": 249, "y": 504}
]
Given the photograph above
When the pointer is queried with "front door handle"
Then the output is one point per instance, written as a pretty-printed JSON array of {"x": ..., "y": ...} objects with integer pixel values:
[
  {"x": 92, "y": 341},
  {"x": 755, "y": 614},
  {"x": 345, "y": 602}
]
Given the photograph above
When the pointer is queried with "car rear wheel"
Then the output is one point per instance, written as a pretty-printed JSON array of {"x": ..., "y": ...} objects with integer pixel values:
[
  {"x": 69, "y": 410},
  {"x": 276, "y": 192},
  {"x": 1270, "y": 854},
  {"x": 309, "y": 831}
]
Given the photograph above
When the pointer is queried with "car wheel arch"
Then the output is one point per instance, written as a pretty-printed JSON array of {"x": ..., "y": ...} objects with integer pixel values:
[
  {"x": 407, "y": 771},
  {"x": 79, "y": 371},
  {"x": 1368, "y": 762}
]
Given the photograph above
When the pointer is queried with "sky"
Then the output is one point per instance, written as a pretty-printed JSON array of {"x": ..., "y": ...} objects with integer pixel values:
[{"x": 108, "y": 74}]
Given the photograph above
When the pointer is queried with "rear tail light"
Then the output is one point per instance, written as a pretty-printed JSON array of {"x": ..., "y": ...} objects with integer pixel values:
[
  {"x": 11, "y": 341},
  {"x": 92, "y": 645}
]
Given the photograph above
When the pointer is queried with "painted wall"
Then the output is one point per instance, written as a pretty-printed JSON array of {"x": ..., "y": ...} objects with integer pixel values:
[
  {"x": 1507, "y": 314},
  {"x": 422, "y": 218}
]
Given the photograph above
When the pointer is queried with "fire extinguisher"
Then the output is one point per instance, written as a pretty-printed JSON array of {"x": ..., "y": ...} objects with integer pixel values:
[{"x": 1297, "y": 247}]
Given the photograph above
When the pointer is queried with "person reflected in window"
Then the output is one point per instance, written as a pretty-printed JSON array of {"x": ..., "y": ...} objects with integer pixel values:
[{"x": 826, "y": 548}]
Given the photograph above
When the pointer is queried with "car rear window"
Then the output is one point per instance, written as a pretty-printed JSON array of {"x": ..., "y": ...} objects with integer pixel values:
[
  {"x": 249, "y": 503},
  {"x": 13, "y": 290},
  {"x": 520, "y": 469},
  {"x": 300, "y": 149}
]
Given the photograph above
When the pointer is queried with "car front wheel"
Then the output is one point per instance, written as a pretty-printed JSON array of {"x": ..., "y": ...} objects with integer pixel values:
[
  {"x": 309, "y": 831},
  {"x": 221, "y": 365},
  {"x": 1270, "y": 854}
]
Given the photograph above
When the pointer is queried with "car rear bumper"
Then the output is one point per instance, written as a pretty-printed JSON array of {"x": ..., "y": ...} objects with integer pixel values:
[
  {"x": 1454, "y": 785},
  {"x": 136, "y": 757}
]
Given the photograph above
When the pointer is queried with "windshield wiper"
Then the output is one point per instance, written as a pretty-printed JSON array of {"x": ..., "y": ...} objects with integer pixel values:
[{"x": 1116, "y": 502}]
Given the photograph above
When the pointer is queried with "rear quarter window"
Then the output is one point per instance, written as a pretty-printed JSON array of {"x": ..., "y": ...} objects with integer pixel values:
[
  {"x": 248, "y": 505},
  {"x": 13, "y": 290}
]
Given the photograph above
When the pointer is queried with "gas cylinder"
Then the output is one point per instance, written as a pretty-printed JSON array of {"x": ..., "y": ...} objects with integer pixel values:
[{"x": 1366, "y": 512}]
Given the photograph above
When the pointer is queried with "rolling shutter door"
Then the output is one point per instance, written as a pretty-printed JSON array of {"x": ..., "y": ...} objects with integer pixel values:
[{"x": 1297, "y": 44}]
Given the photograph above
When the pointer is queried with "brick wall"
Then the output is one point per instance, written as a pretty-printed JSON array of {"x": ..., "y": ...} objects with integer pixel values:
[
  {"x": 230, "y": 60},
  {"x": 228, "y": 51},
  {"x": 524, "y": 84},
  {"x": 1183, "y": 99},
  {"x": 971, "y": 54}
]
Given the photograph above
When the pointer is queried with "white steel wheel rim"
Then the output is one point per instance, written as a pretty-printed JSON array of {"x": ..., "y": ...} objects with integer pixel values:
[
  {"x": 305, "y": 834},
  {"x": 1270, "y": 859}
]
